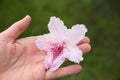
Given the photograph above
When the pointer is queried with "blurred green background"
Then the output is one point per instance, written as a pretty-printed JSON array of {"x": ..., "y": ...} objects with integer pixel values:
[{"x": 102, "y": 18}]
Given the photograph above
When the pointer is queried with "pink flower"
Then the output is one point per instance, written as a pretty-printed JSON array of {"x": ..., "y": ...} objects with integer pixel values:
[{"x": 61, "y": 43}]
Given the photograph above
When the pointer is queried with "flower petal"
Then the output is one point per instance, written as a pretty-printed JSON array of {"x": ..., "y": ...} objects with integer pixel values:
[
  {"x": 44, "y": 42},
  {"x": 57, "y": 63},
  {"x": 75, "y": 34},
  {"x": 48, "y": 60},
  {"x": 73, "y": 53},
  {"x": 56, "y": 25},
  {"x": 53, "y": 65}
]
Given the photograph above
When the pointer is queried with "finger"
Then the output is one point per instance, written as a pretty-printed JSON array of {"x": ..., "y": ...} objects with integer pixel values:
[
  {"x": 85, "y": 47},
  {"x": 65, "y": 71},
  {"x": 17, "y": 28},
  {"x": 85, "y": 40}
]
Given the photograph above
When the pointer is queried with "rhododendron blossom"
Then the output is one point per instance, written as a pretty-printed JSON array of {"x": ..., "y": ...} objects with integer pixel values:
[{"x": 61, "y": 43}]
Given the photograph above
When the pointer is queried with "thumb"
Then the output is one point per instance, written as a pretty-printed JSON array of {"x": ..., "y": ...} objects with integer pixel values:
[{"x": 17, "y": 28}]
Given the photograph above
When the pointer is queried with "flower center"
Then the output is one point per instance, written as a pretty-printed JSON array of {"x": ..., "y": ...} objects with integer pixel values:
[{"x": 57, "y": 50}]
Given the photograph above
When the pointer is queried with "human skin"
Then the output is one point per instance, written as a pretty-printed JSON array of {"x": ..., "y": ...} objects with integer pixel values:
[{"x": 21, "y": 60}]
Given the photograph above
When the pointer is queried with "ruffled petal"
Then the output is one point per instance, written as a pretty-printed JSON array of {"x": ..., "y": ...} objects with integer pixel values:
[
  {"x": 56, "y": 25},
  {"x": 76, "y": 33},
  {"x": 73, "y": 53},
  {"x": 48, "y": 60},
  {"x": 53, "y": 65},
  {"x": 57, "y": 63},
  {"x": 44, "y": 42}
]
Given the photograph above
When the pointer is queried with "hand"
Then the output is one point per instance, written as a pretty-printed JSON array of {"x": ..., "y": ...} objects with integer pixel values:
[{"x": 21, "y": 60}]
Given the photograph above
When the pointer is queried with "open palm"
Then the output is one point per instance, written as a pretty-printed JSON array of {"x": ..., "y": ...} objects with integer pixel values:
[{"x": 21, "y": 60}]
